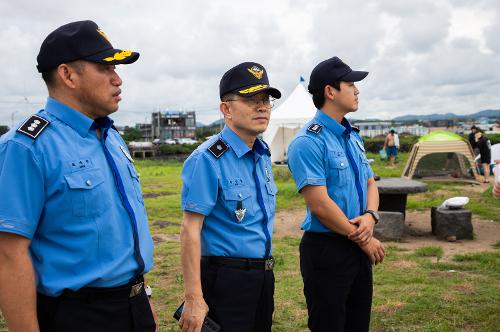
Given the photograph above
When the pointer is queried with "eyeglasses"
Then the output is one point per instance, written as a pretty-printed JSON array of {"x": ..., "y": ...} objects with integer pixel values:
[{"x": 256, "y": 102}]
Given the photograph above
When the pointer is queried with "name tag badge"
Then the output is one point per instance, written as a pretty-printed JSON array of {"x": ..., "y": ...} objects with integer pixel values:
[
  {"x": 125, "y": 152},
  {"x": 360, "y": 145}
]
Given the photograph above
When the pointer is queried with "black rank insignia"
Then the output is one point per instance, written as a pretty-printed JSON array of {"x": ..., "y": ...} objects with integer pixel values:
[
  {"x": 315, "y": 128},
  {"x": 33, "y": 126},
  {"x": 218, "y": 148}
]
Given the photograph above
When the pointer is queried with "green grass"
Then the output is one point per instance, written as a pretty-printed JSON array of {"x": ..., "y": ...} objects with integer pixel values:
[
  {"x": 431, "y": 251},
  {"x": 412, "y": 291}
]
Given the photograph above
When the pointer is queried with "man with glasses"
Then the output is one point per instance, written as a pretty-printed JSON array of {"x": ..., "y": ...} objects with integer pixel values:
[{"x": 229, "y": 198}]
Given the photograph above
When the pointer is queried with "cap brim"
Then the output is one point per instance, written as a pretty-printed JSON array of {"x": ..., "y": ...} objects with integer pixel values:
[
  {"x": 252, "y": 90},
  {"x": 354, "y": 76},
  {"x": 114, "y": 57}
]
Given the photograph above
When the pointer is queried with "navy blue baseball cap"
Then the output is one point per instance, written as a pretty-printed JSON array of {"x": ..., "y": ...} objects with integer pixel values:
[
  {"x": 330, "y": 71},
  {"x": 246, "y": 79},
  {"x": 81, "y": 40}
]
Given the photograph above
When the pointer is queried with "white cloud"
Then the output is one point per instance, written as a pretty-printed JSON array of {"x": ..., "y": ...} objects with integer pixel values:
[{"x": 428, "y": 56}]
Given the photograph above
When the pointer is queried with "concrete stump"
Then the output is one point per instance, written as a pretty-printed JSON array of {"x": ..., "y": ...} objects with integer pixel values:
[
  {"x": 447, "y": 223},
  {"x": 390, "y": 226}
]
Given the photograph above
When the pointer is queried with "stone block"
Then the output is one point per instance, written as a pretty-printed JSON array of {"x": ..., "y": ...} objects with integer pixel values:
[
  {"x": 390, "y": 226},
  {"x": 447, "y": 223}
]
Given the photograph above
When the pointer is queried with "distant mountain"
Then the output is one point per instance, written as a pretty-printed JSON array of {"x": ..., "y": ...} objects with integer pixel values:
[{"x": 430, "y": 117}]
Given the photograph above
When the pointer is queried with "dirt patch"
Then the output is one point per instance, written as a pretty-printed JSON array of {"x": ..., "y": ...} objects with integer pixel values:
[
  {"x": 157, "y": 194},
  {"x": 417, "y": 232},
  {"x": 158, "y": 238}
]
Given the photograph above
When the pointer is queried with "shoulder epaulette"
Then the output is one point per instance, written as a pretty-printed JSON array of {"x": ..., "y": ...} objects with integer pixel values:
[
  {"x": 218, "y": 148},
  {"x": 34, "y": 126},
  {"x": 356, "y": 129},
  {"x": 315, "y": 128}
]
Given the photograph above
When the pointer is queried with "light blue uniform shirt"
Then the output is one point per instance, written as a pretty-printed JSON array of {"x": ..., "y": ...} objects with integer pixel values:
[
  {"x": 213, "y": 187},
  {"x": 59, "y": 191},
  {"x": 334, "y": 157}
]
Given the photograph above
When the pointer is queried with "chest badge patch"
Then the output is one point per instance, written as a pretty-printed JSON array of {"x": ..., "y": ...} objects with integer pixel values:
[
  {"x": 315, "y": 128},
  {"x": 125, "y": 152},
  {"x": 240, "y": 210},
  {"x": 33, "y": 126},
  {"x": 268, "y": 175}
]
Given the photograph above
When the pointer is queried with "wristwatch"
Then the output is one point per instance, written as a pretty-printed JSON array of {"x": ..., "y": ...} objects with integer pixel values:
[{"x": 374, "y": 214}]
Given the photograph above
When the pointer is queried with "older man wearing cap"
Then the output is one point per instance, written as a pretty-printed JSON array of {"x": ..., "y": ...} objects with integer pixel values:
[
  {"x": 229, "y": 198},
  {"x": 74, "y": 237},
  {"x": 328, "y": 163}
]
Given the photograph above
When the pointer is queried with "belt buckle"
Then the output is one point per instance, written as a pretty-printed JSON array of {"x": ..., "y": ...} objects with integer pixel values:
[
  {"x": 269, "y": 264},
  {"x": 136, "y": 289}
]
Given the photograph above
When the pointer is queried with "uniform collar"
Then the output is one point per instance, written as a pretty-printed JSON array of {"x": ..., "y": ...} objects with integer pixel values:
[
  {"x": 76, "y": 120},
  {"x": 338, "y": 129},
  {"x": 239, "y": 146}
]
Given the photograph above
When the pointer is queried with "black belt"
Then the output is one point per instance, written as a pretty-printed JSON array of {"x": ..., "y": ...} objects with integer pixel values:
[
  {"x": 325, "y": 235},
  {"x": 130, "y": 290},
  {"x": 241, "y": 263}
]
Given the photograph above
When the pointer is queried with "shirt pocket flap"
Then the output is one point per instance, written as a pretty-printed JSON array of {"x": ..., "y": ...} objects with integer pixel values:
[
  {"x": 84, "y": 180},
  {"x": 235, "y": 194},
  {"x": 340, "y": 163},
  {"x": 132, "y": 171},
  {"x": 271, "y": 188}
]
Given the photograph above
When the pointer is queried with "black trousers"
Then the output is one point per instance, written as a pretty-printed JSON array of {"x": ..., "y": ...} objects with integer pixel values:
[
  {"x": 338, "y": 283},
  {"x": 239, "y": 299},
  {"x": 95, "y": 314}
]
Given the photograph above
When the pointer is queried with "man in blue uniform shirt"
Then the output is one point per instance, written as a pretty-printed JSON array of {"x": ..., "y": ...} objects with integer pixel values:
[
  {"x": 328, "y": 163},
  {"x": 74, "y": 237},
  {"x": 229, "y": 198}
]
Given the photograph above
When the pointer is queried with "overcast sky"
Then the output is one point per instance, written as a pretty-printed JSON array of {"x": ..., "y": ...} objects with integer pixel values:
[{"x": 424, "y": 56}]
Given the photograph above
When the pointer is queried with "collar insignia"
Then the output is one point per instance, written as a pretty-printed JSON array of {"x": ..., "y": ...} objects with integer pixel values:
[{"x": 315, "y": 128}]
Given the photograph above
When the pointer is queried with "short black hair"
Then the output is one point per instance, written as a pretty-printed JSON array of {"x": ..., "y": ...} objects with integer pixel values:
[
  {"x": 228, "y": 96},
  {"x": 319, "y": 96},
  {"x": 48, "y": 77}
]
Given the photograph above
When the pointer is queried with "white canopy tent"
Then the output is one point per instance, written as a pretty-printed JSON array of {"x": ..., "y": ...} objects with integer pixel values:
[{"x": 286, "y": 121}]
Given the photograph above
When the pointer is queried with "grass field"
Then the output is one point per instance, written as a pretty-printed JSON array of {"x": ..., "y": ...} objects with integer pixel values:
[{"x": 413, "y": 290}]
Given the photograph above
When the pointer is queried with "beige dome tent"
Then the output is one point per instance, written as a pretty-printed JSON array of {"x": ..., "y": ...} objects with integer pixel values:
[{"x": 441, "y": 154}]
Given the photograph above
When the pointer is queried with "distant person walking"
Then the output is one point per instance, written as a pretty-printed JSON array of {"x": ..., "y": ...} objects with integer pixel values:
[
  {"x": 483, "y": 144},
  {"x": 391, "y": 147},
  {"x": 472, "y": 139}
]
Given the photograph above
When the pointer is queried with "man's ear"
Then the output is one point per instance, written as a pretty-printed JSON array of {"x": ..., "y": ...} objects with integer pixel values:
[
  {"x": 67, "y": 75},
  {"x": 329, "y": 92},
  {"x": 225, "y": 109}
]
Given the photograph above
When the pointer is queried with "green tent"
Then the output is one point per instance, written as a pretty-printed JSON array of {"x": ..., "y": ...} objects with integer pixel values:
[{"x": 441, "y": 154}]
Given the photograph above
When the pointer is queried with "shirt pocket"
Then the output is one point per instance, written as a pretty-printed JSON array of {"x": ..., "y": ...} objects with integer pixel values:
[
  {"x": 235, "y": 194},
  {"x": 136, "y": 183},
  {"x": 337, "y": 170},
  {"x": 87, "y": 192}
]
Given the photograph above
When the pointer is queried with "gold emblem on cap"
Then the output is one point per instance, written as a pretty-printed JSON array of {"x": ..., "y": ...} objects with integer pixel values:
[
  {"x": 254, "y": 88},
  {"x": 256, "y": 71},
  {"x": 103, "y": 34},
  {"x": 119, "y": 56}
]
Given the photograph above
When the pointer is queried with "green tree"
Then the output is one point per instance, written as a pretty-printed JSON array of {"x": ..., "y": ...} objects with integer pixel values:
[
  {"x": 3, "y": 130},
  {"x": 131, "y": 134}
]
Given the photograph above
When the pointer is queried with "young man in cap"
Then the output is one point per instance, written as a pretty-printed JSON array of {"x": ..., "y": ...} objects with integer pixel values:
[
  {"x": 74, "y": 237},
  {"x": 229, "y": 198},
  {"x": 328, "y": 163}
]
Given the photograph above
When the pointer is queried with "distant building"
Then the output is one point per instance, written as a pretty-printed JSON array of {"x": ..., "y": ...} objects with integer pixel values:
[
  {"x": 171, "y": 125},
  {"x": 373, "y": 128},
  {"x": 146, "y": 130}
]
